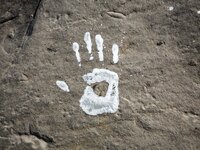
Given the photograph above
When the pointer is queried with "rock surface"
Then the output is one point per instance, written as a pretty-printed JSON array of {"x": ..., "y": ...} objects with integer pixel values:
[{"x": 159, "y": 72}]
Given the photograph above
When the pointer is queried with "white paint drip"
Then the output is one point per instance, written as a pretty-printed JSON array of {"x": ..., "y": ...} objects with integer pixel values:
[
  {"x": 99, "y": 43},
  {"x": 198, "y": 12},
  {"x": 88, "y": 41},
  {"x": 93, "y": 104},
  {"x": 115, "y": 52},
  {"x": 62, "y": 85},
  {"x": 75, "y": 47},
  {"x": 91, "y": 57},
  {"x": 171, "y": 8}
]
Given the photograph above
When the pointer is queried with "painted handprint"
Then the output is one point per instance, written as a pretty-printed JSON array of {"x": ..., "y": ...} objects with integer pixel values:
[{"x": 90, "y": 102}]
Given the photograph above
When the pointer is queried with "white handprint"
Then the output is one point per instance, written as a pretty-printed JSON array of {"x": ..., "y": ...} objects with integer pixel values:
[{"x": 90, "y": 102}]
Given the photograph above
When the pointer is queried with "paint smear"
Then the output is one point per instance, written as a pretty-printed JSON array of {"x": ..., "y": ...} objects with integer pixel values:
[
  {"x": 75, "y": 47},
  {"x": 115, "y": 52},
  {"x": 88, "y": 41},
  {"x": 62, "y": 85},
  {"x": 99, "y": 43}
]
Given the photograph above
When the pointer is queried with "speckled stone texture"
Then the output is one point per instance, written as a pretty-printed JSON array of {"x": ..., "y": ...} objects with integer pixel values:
[{"x": 158, "y": 69}]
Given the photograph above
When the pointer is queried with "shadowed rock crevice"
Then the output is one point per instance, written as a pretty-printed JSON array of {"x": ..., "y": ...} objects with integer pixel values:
[{"x": 33, "y": 132}]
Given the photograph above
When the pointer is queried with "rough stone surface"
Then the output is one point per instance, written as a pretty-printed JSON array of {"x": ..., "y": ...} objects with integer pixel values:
[{"x": 159, "y": 72}]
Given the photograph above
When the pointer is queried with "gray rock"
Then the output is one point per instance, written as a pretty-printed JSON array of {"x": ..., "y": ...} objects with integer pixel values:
[{"x": 159, "y": 91}]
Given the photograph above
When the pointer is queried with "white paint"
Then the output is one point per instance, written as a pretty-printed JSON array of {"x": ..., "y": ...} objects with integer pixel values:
[
  {"x": 115, "y": 52},
  {"x": 62, "y": 85},
  {"x": 75, "y": 47},
  {"x": 91, "y": 57},
  {"x": 88, "y": 41},
  {"x": 198, "y": 12},
  {"x": 93, "y": 104},
  {"x": 171, "y": 8},
  {"x": 99, "y": 43}
]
